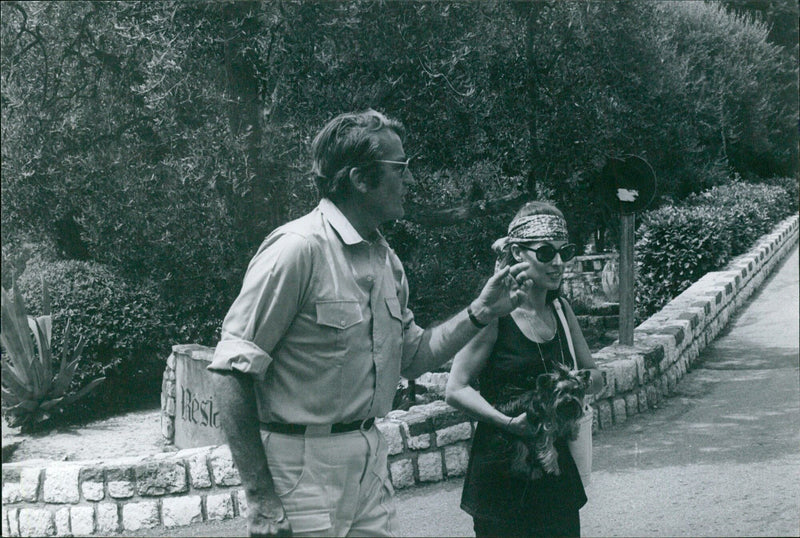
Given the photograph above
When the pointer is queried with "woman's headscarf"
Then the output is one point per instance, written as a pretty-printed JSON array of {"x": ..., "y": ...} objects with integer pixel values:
[{"x": 532, "y": 229}]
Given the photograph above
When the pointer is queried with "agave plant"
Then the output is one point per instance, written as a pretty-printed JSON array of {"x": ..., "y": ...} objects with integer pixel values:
[{"x": 32, "y": 389}]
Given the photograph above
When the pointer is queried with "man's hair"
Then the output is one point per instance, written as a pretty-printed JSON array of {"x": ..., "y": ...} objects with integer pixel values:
[{"x": 348, "y": 141}]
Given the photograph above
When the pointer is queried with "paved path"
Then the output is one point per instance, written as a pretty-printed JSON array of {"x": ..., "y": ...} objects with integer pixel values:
[{"x": 720, "y": 458}]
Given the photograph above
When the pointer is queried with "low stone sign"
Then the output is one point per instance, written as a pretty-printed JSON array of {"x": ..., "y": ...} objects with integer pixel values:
[{"x": 195, "y": 414}]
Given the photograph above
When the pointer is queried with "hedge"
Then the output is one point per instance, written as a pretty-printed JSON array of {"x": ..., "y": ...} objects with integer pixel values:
[
  {"x": 122, "y": 323},
  {"x": 679, "y": 244}
]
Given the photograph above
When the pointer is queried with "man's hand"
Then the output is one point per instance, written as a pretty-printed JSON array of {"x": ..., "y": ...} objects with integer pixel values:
[
  {"x": 266, "y": 516},
  {"x": 503, "y": 292}
]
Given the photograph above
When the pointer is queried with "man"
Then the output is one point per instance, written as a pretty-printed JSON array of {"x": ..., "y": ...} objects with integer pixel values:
[{"x": 313, "y": 347}]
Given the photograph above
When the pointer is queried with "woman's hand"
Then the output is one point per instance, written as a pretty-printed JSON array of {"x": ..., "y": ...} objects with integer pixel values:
[{"x": 519, "y": 426}]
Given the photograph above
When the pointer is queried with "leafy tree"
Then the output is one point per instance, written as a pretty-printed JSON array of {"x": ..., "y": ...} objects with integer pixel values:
[{"x": 165, "y": 139}]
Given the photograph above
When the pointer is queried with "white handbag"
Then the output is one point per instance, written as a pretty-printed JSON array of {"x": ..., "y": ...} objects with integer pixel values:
[{"x": 581, "y": 447}]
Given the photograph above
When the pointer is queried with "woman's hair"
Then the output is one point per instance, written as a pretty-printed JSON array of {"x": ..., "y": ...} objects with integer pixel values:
[
  {"x": 503, "y": 247},
  {"x": 348, "y": 141}
]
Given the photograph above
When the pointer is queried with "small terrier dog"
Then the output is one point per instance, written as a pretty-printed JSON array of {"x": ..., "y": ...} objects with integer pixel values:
[{"x": 553, "y": 403}]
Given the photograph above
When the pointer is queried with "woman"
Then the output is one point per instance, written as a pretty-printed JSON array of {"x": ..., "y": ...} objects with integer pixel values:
[{"x": 528, "y": 342}]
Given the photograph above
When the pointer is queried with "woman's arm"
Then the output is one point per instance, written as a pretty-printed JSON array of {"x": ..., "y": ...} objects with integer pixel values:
[
  {"x": 467, "y": 365},
  {"x": 583, "y": 355}
]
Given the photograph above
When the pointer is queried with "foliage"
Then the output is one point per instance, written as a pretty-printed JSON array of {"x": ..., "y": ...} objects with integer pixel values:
[
  {"x": 127, "y": 332},
  {"x": 679, "y": 244},
  {"x": 165, "y": 139},
  {"x": 32, "y": 390}
]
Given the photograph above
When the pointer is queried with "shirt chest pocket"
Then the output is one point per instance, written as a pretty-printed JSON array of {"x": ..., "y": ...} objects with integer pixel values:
[
  {"x": 339, "y": 314},
  {"x": 393, "y": 331},
  {"x": 393, "y": 304}
]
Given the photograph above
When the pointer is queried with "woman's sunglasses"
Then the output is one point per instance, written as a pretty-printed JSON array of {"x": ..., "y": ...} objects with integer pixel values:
[{"x": 547, "y": 252}]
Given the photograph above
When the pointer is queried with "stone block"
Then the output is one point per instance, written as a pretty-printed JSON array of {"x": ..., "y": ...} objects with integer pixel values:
[
  {"x": 168, "y": 428},
  {"x": 181, "y": 511},
  {"x": 609, "y": 382},
  {"x": 631, "y": 404},
  {"x": 219, "y": 507},
  {"x": 62, "y": 522},
  {"x": 198, "y": 471},
  {"x": 416, "y": 421},
  {"x": 92, "y": 491},
  {"x": 11, "y": 493},
  {"x": 161, "y": 478},
  {"x": 625, "y": 375},
  {"x": 402, "y": 472},
  {"x": 60, "y": 484},
  {"x": 642, "y": 399},
  {"x": 456, "y": 458},
  {"x": 416, "y": 442},
  {"x": 429, "y": 465},
  {"x": 81, "y": 520},
  {"x": 641, "y": 369},
  {"x": 391, "y": 432},
  {"x": 443, "y": 415},
  {"x": 120, "y": 482},
  {"x": 672, "y": 380},
  {"x": 6, "y": 530},
  {"x": 453, "y": 434},
  {"x": 29, "y": 483},
  {"x": 36, "y": 522},
  {"x": 140, "y": 515},
  {"x": 107, "y": 518},
  {"x": 619, "y": 410},
  {"x": 13, "y": 522},
  {"x": 605, "y": 416},
  {"x": 91, "y": 483},
  {"x": 662, "y": 385},
  {"x": 240, "y": 503},
  {"x": 222, "y": 469}
]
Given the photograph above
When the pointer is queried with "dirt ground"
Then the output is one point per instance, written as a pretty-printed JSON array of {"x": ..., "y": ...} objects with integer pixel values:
[{"x": 135, "y": 433}]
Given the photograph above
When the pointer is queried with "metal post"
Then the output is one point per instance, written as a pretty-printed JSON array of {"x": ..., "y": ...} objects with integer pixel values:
[{"x": 626, "y": 280}]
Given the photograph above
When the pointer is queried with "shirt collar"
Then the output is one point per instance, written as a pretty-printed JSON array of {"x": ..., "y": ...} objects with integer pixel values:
[{"x": 339, "y": 222}]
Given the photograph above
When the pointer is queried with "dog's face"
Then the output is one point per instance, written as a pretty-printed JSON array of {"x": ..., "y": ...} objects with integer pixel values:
[{"x": 565, "y": 390}]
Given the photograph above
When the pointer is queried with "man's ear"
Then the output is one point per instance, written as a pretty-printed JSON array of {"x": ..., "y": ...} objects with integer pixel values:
[{"x": 358, "y": 180}]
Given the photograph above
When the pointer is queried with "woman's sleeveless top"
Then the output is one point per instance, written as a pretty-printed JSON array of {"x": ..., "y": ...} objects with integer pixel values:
[{"x": 490, "y": 491}]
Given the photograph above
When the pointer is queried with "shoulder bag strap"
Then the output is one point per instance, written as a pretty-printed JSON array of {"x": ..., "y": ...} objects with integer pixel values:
[{"x": 563, "y": 318}]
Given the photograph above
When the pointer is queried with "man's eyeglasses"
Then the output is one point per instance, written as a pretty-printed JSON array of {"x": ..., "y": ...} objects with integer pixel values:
[
  {"x": 547, "y": 252},
  {"x": 404, "y": 164}
]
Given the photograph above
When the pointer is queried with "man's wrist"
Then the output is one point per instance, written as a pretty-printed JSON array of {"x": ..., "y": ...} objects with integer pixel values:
[{"x": 474, "y": 314}]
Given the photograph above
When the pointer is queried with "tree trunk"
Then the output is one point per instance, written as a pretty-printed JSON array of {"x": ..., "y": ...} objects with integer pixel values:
[{"x": 254, "y": 205}]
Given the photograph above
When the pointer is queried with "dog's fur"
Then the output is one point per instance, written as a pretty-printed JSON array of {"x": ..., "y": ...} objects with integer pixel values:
[{"x": 554, "y": 404}]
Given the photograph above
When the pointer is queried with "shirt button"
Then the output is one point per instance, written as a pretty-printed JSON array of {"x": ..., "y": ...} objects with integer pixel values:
[
  {"x": 370, "y": 278},
  {"x": 343, "y": 322}
]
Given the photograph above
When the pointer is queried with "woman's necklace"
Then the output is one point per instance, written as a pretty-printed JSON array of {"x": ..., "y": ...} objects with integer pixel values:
[
  {"x": 541, "y": 355},
  {"x": 534, "y": 325}
]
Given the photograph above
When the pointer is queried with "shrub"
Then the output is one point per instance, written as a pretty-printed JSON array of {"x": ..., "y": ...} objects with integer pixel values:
[
  {"x": 120, "y": 321},
  {"x": 33, "y": 391},
  {"x": 678, "y": 245}
]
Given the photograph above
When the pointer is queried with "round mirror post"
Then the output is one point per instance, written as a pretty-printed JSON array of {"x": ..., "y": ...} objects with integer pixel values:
[
  {"x": 626, "y": 186},
  {"x": 626, "y": 280}
]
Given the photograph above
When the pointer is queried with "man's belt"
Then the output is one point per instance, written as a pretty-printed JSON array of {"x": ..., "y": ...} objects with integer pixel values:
[{"x": 301, "y": 429}]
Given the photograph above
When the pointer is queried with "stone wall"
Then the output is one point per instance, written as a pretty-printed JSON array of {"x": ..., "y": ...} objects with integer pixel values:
[
  {"x": 583, "y": 278},
  {"x": 427, "y": 443}
]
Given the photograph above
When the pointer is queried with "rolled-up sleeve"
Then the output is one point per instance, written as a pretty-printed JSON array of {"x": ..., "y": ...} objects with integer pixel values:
[{"x": 274, "y": 288}]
